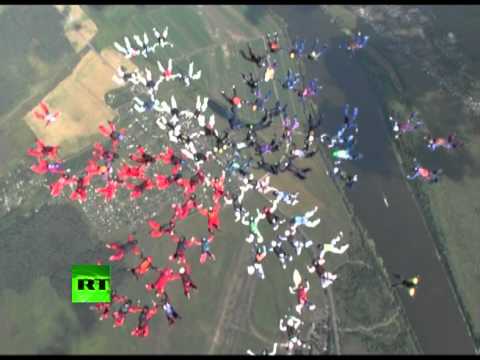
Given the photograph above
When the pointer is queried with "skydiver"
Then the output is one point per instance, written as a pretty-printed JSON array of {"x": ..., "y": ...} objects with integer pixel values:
[
  {"x": 188, "y": 284},
  {"x": 169, "y": 158},
  {"x": 238, "y": 164},
  {"x": 182, "y": 245},
  {"x": 298, "y": 220},
  {"x": 123, "y": 76},
  {"x": 290, "y": 324},
  {"x": 259, "y": 60},
  {"x": 161, "y": 38},
  {"x": 296, "y": 152},
  {"x": 145, "y": 265},
  {"x": 138, "y": 189},
  {"x": 186, "y": 208},
  {"x": 326, "y": 278},
  {"x": 310, "y": 90},
  {"x": 330, "y": 247},
  {"x": 234, "y": 100},
  {"x": 112, "y": 133},
  {"x": 212, "y": 215},
  {"x": 410, "y": 125},
  {"x": 157, "y": 230},
  {"x": 278, "y": 110},
  {"x": 163, "y": 182},
  {"x": 169, "y": 310},
  {"x": 198, "y": 114},
  {"x": 147, "y": 81},
  {"x": 300, "y": 173},
  {"x": 204, "y": 244},
  {"x": 317, "y": 50},
  {"x": 270, "y": 168},
  {"x": 272, "y": 42},
  {"x": 142, "y": 157},
  {"x": 126, "y": 307},
  {"x": 267, "y": 148},
  {"x": 143, "y": 44},
  {"x": 357, "y": 42},
  {"x": 285, "y": 196},
  {"x": 44, "y": 167},
  {"x": 431, "y": 176},
  {"x": 301, "y": 290},
  {"x": 190, "y": 76},
  {"x": 270, "y": 69},
  {"x": 297, "y": 244},
  {"x": 263, "y": 185},
  {"x": 80, "y": 192},
  {"x": 128, "y": 51},
  {"x": 260, "y": 100},
  {"x": 190, "y": 184},
  {"x": 257, "y": 267},
  {"x": 265, "y": 351},
  {"x": 109, "y": 190},
  {"x": 149, "y": 105},
  {"x": 289, "y": 126},
  {"x": 41, "y": 150},
  {"x": 236, "y": 200},
  {"x": 222, "y": 143},
  {"x": 409, "y": 283},
  {"x": 451, "y": 142},
  {"x": 122, "y": 248},
  {"x": 167, "y": 74},
  {"x": 218, "y": 186},
  {"x": 103, "y": 309},
  {"x": 127, "y": 171},
  {"x": 273, "y": 219},
  {"x": 251, "y": 81},
  {"x": 254, "y": 232},
  {"x": 56, "y": 187},
  {"x": 281, "y": 253},
  {"x": 291, "y": 80},
  {"x": 46, "y": 114},
  {"x": 143, "y": 328},
  {"x": 296, "y": 52},
  {"x": 350, "y": 118},
  {"x": 233, "y": 121},
  {"x": 166, "y": 276}
]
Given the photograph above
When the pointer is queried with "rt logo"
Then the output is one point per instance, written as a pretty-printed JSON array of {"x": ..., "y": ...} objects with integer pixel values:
[{"x": 91, "y": 284}]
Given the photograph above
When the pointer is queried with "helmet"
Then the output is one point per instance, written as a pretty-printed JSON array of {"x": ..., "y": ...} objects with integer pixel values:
[{"x": 181, "y": 270}]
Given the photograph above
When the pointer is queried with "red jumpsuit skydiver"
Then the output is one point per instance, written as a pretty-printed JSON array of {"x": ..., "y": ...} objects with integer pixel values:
[
  {"x": 41, "y": 151},
  {"x": 126, "y": 308},
  {"x": 143, "y": 328},
  {"x": 144, "y": 266},
  {"x": 109, "y": 190},
  {"x": 80, "y": 192},
  {"x": 212, "y": 215},
  {"x": 166, "y": 275},
  {"x": 182, "y": 245},
  {"x": 138, "y": 189},
  {"x": 127, "y": 171},
  {"x": 157, "y": 230},
  {"x": 187, "y": 282},
  {"x": 122, "y": 249},
  {"x": 56, "y": 187},
  {"x": 111, "y": 133}
]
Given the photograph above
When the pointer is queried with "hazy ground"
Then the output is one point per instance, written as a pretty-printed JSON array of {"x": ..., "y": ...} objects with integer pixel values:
[{"x": 231, "y": 312}]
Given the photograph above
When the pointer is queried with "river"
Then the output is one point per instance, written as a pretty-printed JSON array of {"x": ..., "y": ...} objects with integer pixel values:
[{"x": 400, "y": 233}]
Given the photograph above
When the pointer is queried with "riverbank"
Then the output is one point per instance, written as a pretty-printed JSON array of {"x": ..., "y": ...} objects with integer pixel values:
[{"x": 388, "y": 84}]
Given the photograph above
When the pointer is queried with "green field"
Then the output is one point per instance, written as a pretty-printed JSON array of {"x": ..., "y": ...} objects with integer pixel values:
[{"x": 231, "y": 312}]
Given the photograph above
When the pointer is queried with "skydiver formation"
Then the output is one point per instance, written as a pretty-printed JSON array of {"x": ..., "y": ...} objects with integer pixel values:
[{"x": 193, "y": 140}]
